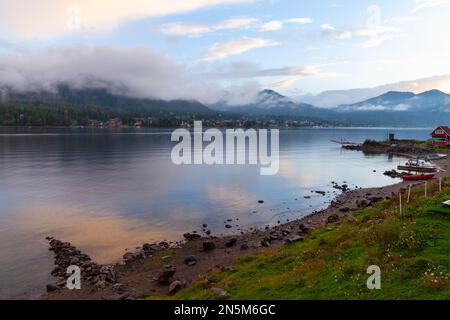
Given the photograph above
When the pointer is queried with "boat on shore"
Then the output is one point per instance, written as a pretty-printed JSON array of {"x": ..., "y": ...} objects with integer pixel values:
[
  {"x": 418, "y": 177},
  {"x": 435, "y": 156},
  {"x": 417, "y": 165}
]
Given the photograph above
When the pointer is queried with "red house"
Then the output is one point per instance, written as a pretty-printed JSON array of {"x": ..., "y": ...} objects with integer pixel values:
[{"x": 441, "y": 136}]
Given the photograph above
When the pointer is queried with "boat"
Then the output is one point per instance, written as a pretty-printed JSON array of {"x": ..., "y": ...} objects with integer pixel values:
[
  {"x": 418, "y": 177},
  {"x": 347, "y": 144},
  {"x": 435, "y": 156},
  {"x": 418, "y": 165}
]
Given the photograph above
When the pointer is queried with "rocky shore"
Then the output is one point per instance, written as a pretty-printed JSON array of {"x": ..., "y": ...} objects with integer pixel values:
[{"x": 162, "y": 269}]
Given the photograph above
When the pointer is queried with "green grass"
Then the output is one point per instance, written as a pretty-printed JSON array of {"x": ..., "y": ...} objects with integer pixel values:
[{"x": 413, "y": 253}]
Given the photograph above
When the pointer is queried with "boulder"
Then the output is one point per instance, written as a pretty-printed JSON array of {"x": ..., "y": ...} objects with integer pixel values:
[
  {"x": 265, "y": 242},
  {"x": 166, "y": 274},
  {"x": 231, "y": 243},
  {"x": 191, "y": 236},
  {"x": 220, "y": 293},
  {"x": 244, "y": 246},
  {"x": 295, "y": 239},
  {"x": 208, "y": 246},
  {"x": 176, "y": 286},
  {"x": 333, "y": 218},
  {"x": 190, "y": 260},
  {"x": 303, "y": 230},
  {"x": 52, "y": 288}
]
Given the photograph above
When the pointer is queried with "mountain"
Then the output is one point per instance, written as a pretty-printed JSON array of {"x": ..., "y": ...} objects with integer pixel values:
[
  {"x": 428, "y": 101},
  {"x": 399, "y": 109},
  {"x": 333, "y": 98},
  {"x": 393, "y": 108},
  {"x": 271, "y": 103},
  {"x": 63, "y": 95}
]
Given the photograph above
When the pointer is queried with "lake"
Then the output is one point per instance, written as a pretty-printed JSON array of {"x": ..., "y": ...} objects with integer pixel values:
[{"x": 108, "y": 190}]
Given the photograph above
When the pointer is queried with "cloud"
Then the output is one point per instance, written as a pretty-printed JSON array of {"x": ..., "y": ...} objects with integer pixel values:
[
  {"x": 278, "y": 25},
  {"x": 195, "y": 30},
  {"x": 374, "y": 35},
  {"x": 8, "y": 45},
  {"x": 370, "y": 107},
  {"x": 272, "y": 26},
  {"x": 222, "y": 50},
  {"x": 300, "y": 20},
  {"x": 424, "y": 4},
  {"x": 236, "y": 70},
  {"x": 49, "y": 18},
  {"x": 402, "y": 19},
  {"x": 330, "y": 30},
  {"x": 136, "y": 72},
  {"x": 284, "y": 83},
  {"x": 182, "y": 29}
]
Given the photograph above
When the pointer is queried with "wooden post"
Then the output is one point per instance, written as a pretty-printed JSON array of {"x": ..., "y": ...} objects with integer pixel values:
[
  {"x": 440, "y": 184},
  {"x": 409, "y": 193},
  {"x": 426, "y": 189},
  {"x": 401, "y": 207}
]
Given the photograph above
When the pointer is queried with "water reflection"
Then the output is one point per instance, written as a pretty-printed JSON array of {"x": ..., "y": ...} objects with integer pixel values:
[{"x": 109, "y": 190}]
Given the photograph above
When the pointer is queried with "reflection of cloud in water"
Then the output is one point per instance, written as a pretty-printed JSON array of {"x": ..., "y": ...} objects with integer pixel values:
[
  {"x": 302, "y": 172},
  {"x": 104, "y": 238},
  {"x": 234, "y": 196}
]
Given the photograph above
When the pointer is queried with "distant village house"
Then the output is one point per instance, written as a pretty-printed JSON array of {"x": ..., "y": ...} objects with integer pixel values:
[{"x": 114, "y": 123}]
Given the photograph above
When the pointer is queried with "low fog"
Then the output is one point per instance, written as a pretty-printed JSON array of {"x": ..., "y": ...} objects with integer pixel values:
[{"x": 135, "y": 72}]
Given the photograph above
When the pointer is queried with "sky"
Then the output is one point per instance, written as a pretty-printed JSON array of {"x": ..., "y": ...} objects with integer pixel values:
[{"x": 213, "y": 50}]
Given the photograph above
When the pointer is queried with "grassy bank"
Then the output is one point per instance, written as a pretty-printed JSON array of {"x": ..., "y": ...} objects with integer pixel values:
[{"x": 413, "y": 253}]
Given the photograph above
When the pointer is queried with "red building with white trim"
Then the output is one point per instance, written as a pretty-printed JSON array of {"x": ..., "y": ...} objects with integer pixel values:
[{"x": 441, "y": 136}]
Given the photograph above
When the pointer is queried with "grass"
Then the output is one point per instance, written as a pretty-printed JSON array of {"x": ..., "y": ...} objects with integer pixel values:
[{"x": 413, "y": 253}]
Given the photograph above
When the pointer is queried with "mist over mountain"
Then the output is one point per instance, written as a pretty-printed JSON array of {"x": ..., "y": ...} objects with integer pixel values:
[
  {"x": 271, "y": 103},
  {"x": 389, "y": 109},
  {"x": 334, "y": 98},
  {"x": 392, "y": 108},
  {"x": 428, "y": 101},
  {"x": 64, "y": 95}
]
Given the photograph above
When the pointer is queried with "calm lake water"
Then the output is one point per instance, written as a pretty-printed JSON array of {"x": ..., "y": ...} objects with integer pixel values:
[{"x": 106, "y": 191}]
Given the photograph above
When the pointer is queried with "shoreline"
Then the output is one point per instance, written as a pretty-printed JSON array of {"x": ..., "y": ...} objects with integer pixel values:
[
  {"x": 160, "y": 269},
  {"x": 197, "y": 256}
]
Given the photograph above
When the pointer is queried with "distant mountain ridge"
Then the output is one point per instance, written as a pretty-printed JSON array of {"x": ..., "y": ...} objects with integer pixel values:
[
  {"x": 66, "y": 96},
  {"x": 334, "y": 98},
  {"x": 393, "y": 108},
  {"x": 431, "y": 101},
  {"x": 271, "y": 103}
]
